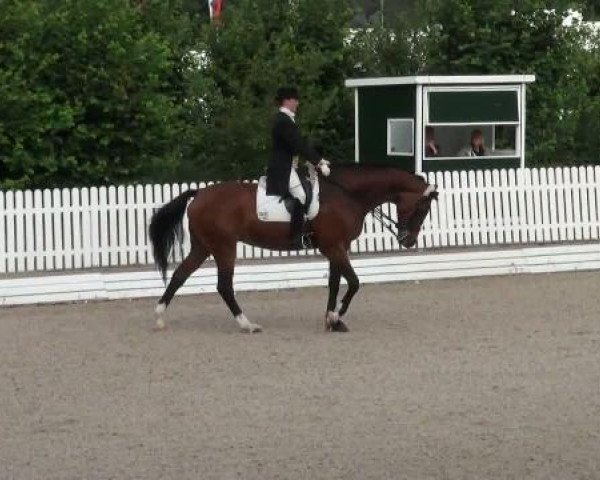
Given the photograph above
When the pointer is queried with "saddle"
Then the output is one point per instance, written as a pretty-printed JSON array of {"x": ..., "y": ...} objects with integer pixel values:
[{"x": 274, "y": 208}]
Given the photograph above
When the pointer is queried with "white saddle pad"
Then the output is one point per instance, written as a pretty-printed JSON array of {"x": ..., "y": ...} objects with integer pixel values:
[{"x": 270, "y": 208}]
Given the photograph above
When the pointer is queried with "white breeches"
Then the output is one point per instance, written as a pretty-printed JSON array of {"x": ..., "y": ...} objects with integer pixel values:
[{"x": 296, "y": 189}]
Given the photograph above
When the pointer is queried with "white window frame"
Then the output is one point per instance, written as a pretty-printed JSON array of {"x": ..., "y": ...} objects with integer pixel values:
[
  {"x": 389, "y": 137},
  {"x": 519, "y": 124}
]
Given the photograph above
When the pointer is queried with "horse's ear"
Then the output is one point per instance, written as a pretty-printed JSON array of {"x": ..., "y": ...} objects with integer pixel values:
[{"x": 434, "y": 195}]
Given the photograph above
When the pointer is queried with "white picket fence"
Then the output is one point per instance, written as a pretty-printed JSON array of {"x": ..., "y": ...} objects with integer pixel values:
[{"x": 107, "y": 226}]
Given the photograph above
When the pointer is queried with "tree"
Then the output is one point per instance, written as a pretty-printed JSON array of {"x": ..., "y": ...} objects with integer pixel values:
[
  {"x": 480, "y": 37},
  {"x": 591, "y": 10},
  {"x": 89, "y": 92},
  {"x": 373, "y": 10},
  {"x": 588, "y": 130},
  {"x": 105, "y": 91},
  {"x": 259, "y": 46}
]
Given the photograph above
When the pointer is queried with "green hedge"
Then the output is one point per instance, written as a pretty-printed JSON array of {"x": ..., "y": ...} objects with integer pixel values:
[{"x": 107, "y": 91}]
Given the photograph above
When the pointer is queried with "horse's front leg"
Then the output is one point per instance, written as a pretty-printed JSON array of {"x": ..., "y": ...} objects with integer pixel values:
[
  {"x": 340, "y": 265},
  {"x": 332, "y": 315}
]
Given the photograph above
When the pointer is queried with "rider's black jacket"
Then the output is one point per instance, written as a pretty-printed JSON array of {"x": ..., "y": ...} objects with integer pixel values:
[{"x": 287, "y": 143}]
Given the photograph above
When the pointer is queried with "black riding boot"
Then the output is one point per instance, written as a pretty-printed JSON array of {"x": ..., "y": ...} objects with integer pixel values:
[{"x": 300, "y": 239}]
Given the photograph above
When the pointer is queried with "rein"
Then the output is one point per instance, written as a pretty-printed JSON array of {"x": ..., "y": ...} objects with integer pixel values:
[{"x": 401, "y": 231}]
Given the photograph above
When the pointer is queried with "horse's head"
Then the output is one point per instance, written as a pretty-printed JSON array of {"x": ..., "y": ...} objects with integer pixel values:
[
  {"x": 413, "y": 209},
  {"x": 411, "y": 194}
]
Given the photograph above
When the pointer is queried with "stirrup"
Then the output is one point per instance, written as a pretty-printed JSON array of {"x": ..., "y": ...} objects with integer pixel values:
[
  {"x": 307, "y": 240},
  {"x": 303, "y": 241}
]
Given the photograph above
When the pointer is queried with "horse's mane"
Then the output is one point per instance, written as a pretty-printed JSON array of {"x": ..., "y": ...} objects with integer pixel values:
[
  {"x": 342, "y": 173},
  {"x": 362, "y": 166}
]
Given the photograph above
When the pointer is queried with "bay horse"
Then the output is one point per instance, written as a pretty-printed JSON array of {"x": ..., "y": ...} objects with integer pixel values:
[{"x": 223, "y": 214}]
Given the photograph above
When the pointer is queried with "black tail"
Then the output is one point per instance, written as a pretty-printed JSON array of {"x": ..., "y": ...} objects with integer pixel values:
[{"x": 166, "y": 228}]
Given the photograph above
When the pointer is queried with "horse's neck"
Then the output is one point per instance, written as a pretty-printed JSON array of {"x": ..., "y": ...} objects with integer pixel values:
[{"x": 369, "y": 186}]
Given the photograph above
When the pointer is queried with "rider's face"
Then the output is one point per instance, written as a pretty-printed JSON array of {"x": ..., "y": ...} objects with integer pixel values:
[{"x": 291, "y": 104}]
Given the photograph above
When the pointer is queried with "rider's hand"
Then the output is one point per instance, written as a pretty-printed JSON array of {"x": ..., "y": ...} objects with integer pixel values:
[{"x": 323, "y": 165}]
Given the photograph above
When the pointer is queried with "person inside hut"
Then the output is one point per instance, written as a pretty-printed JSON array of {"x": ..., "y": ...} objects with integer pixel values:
[
  {"x": 431, "y": 148},
  {"x": 477, "y": 146}
]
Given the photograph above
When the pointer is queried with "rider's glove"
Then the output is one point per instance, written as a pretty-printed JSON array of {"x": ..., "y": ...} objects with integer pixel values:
[{"x": 323, "y": 165}]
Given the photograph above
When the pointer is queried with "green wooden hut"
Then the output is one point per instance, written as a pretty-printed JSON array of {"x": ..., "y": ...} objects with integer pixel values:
[{"x": 395, "y": 115}]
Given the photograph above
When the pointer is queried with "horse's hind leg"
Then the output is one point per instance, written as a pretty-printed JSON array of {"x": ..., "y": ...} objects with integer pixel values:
[
  {"x": 225, "y": 258},
  {"x": 339, "y": 265},
  {"x": 190, "y": 264}
]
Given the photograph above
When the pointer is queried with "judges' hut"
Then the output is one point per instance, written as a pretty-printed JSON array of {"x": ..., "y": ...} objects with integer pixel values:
[{"x": 396, "y": 117}]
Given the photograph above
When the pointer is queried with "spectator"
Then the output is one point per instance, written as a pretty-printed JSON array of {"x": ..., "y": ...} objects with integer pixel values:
[
  {"x": 476, "y": 148},
  {"x": 431, "y": 148}
]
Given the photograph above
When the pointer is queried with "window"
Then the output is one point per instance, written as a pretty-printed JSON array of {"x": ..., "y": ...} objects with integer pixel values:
[
  {"x": 453, "y": 141},
  {"x": 505, "y": 139},
  {"x": 480, "y": 106},
  {"x": 464, "y": 122},
  {"x": 400, "y": 136}
]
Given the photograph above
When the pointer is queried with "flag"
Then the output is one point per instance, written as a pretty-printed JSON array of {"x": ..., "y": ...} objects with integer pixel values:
[{"x": 215, "y": 7}]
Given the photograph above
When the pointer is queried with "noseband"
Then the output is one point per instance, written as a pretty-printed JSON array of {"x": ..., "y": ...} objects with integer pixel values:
[{"x": 401, "y": 226}]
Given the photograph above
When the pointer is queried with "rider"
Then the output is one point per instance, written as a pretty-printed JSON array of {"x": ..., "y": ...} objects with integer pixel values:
[{"x": 282, "y": 174}]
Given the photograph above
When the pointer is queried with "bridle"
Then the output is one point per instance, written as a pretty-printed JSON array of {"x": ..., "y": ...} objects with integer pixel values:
[
  {"x": 401, "y": 230},
  {"x": 401, "y": 226}
]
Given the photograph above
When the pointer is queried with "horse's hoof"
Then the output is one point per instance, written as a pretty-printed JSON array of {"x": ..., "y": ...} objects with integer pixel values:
[
  {"x": 159, "y": 326},
  {"x": 330, "y": 319},
  {"x": 338, "y": 326},
  {"x": 251, "y": 328},
  {"x": 333, "y": 323}
]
